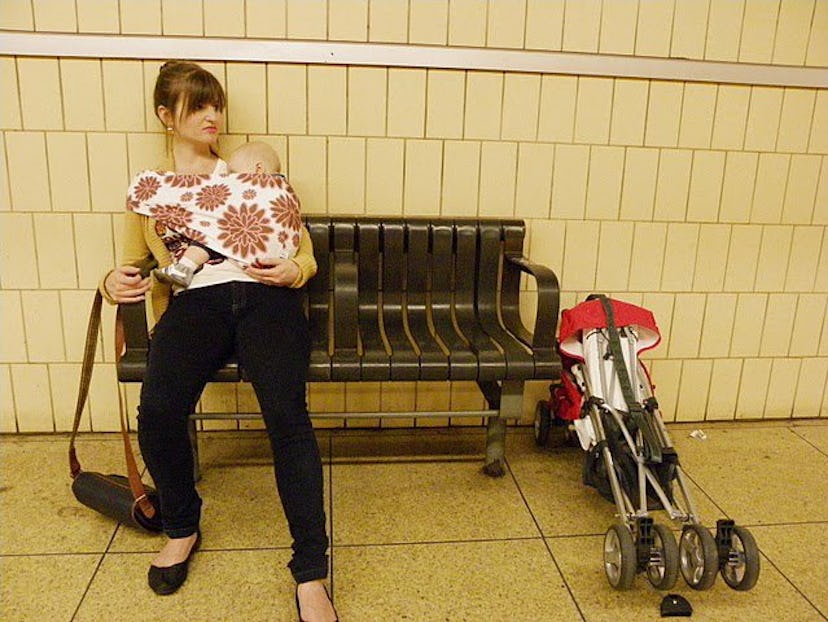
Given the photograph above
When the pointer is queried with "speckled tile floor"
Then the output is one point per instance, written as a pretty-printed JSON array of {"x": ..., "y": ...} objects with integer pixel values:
[{"x": 418, "y": 532}]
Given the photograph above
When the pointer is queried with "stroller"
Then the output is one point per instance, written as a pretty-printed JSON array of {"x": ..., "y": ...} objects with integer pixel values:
[{"x": 606, "y": 398}]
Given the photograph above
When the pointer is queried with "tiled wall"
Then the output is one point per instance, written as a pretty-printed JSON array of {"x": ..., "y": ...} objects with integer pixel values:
[{"x": 707, "y": 203}]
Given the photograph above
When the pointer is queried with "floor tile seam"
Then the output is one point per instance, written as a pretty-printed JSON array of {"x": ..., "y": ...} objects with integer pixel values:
[
  {"x": 808, "y": 441},
  {"x": 791, "y": 583},
  {"x": 206, "y": 549},
  {"x": 330, "y": 517},
  {"x": 408, "y": 460},
  {"x": 53, "y": 554},
  {"x": 401, "y": 543},
  {"x": 95, "y": 572}
]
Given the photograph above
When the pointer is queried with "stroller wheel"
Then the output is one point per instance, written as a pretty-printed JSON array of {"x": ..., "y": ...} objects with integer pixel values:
[
  {"x": 543, "y": 422},
  {"x": 620, "y": 558},
  {"x": 698, "y": 557},
  {"x": 741, "y": 568},
  {"x": 663, "y": 567}
]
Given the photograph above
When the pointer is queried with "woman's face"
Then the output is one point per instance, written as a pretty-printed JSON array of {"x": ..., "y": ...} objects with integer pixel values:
[{"x": 202, "y": 126}]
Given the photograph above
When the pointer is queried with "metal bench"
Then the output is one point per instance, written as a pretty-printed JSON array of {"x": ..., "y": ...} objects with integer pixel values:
[{"x": 401, "y": 298}]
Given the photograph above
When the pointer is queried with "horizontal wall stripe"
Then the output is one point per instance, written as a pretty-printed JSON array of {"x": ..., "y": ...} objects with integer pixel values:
[{"x": 370, "y": 54}]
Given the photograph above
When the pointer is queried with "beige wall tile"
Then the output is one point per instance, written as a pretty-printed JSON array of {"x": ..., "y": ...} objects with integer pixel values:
[
  {"x": 723, "y": 26},
  {"x": 769, "y": 193},
  {"x": 40, "y": 98},
  {"x": 247, "y": 98},
  {"x": 673, "y": 184},
  {"x": 696, "y": 380},
  {"x": 465, "y": 396},
  {"x": 444, "y": 105},
  {"x": 638, "y": 192},
  {"x": 18, "y": 250},
  {"x": 569, "y": 181},
  {"x": 94, "y": 247},
  {"x": 287, "y": 99},
  {"x": 467, "y": 22},
  {"x": 123, "y": 95},
  {"x": 748, "y": 324},
  {"x": 55, "y": 247},
  {"x": 219, "y": 398},
  {"x": 819, "y": 124},
  {"x": 266, "y": 18},
  {"x": 428, "y": 21},
  {"x": 506, "y": 22},
  {"x": 397, "y": 397},
  {"x": 5, "y": 196},
  {"x": 521, "y": 99},
  {"x": 810, "y": 387},
  {"x": 41, "y": 317},
  {"x": 689, "y": 29},
  {"x": 10, "y": 110},
  {"x": 666, "y": 376},
  {"x": 108, "y": 176},
  {"x": 763, "y": 118},
  {"x": 706, "y": 186},
  {"x": 779, "y": 319},
  {"x": 797, "y": 106},
  {"x": 697, "y": 115},
  {"x": 810, "y": 315},
  {"x": 68, "y": 172},
  {"x": 647, "y": 256},
  {"x": 737, "y": 187},
  {"x": 606, "y": 169},
  {"x": 801, "y": 190},
  {"x": 629, "y": 105},
  {"x": 367, "y": 89},
  {"x": 17, "y": 15},
  {"x": 82, "y": 94},
  {"x": 151, "y": 71},
  {"x": 74, "y": 312},
  {"x": 614, "y": 255},
  {"x": 307, "y": 19},
  {"x": 98, "y": 16},
  {"x": 32, "y": 398},
  {"x": 593, "y": 110},
  {"x": 461, "y": 178},
  {"x": 742, "y": 258},
  {"x": 821, "y": 280},
  {"x": 817, "y": 55},
  {"x": 28, "y": 171},
  {"x": 348, "y": 20},
  {"x": 557, "y": 113},
  {"x": 582, "y": 20},
  {"x": 663, "y": 114},
  {"x": 484, "y": 94},
  {"x": 730, "y": 120},
  {"x": 346, "y": 175},
  {"x": 50, "y": 16},
  {"x": 498, "y": 169},
  {"x": 773, "y": 258},
  {"x": 406, "y": 102},
  {"x": 655, "y": 24},
  {"x": 780, "y": 397},
  {"x": 721, "y": 404},
  {"x": 758, "y": 30},
  {"x": 362, "y": 397},
  {"x": 792, "y": 29},
  {"x": 182, "y": 17},
  {"x": 546, "y": 243},
  {"x": 327, "y": 87},
  {"x": 384, "y": 176},
  {"x": 140, "y": 17},
  {"x": 804, "y": 259},
  {"x": 717, "y": 326},
  {"x": 753, "y": 388},
  {"x": 580, "y": 255},
  {"x": 13, "y": 344},
  {"x": 8, "y": 419},
  {"x": 711, "y": 258},
  {"x": 423, "y": 161},
  {"x": 104, "y": 402},
  {"x": 63, "y": 382},
  {"x": 618, "y": 24},
  {"x": 308, "y": 172},
  {"x": 688, "y": 315},
  {"x": 388, "y": 21},
  {"x": 223, "y": 18},
  {"x": 544, "y": 24},
  {"x": 147, "y": 151}
]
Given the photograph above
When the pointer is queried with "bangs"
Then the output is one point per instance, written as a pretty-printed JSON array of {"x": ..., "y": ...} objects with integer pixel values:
[{"x": 201, "y": 88}]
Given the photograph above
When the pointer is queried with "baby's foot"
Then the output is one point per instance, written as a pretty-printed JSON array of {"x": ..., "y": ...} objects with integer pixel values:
[{"x": 176, "y": 274}]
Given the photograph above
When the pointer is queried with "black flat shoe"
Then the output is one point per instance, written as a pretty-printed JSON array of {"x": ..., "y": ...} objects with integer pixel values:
[
  {"x": 299, "y": 610},
  {"x": 164, "y": 581}
]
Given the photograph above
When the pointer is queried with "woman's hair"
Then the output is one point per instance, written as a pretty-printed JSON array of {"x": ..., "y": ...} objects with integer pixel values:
[{"x": 183, "y": 87}]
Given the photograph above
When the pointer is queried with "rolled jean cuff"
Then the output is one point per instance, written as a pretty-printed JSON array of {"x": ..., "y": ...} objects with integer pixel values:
[
  {"x": 181, "y": 532},
  {"x": 312, "y": 574}
]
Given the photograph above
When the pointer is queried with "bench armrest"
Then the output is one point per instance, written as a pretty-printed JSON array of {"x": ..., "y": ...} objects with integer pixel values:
[
  {"x": 546, "y": 317},
  {"x": 132, "y": 341}
]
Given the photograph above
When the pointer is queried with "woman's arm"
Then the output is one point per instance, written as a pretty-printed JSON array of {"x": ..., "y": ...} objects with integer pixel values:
[
  {"x": 124, "y": 283},
  {"x": 294, "y": 272}
]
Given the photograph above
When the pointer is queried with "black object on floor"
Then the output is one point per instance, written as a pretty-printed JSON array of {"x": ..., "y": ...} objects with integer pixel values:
[{"x": 675, "y": 606}]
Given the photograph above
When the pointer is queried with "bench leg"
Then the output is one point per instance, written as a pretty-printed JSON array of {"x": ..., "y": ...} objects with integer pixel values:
[
  {"x": 193, "y": 433},
  {"x": 511, "y": 404}
]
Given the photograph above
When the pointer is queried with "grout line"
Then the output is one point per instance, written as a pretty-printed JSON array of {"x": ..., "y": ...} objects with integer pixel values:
[{"x": 95, "y": 572}]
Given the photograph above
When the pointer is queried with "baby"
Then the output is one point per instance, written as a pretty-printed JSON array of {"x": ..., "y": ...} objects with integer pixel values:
[{"x": 253, "y": 157}]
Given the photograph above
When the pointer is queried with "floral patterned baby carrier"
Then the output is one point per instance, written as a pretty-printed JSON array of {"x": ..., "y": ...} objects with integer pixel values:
[{"x": 243, "y": 216}]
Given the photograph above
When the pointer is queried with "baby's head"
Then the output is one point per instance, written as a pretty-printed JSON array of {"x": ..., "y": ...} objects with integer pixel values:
[{"x": 255, "y": 157}]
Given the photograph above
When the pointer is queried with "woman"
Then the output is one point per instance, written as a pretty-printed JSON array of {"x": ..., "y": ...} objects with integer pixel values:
[{"x": 255, "y": 312}]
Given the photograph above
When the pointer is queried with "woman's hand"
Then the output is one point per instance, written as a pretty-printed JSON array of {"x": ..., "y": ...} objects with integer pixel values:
[
  {"x": 124, "y": 284},
  {"x": 272, "y": 271}
]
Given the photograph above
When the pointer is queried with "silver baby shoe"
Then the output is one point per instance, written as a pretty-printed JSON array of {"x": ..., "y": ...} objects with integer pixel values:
[{"x": 175, "y": 274}]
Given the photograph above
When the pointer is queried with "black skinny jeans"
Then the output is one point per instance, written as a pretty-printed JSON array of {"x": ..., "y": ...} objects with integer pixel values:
[{"x": 266, "y": 328}]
